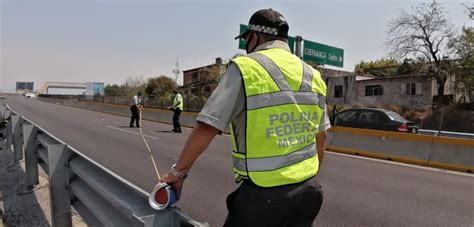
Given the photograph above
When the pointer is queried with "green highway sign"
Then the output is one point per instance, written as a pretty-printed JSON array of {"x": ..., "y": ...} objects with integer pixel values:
[
  {"x": 243, "y": 28},
  {"x": 291, "y": 43},
  {"x": 312, "y": 51},
  {"x": 323, "y": 54}
]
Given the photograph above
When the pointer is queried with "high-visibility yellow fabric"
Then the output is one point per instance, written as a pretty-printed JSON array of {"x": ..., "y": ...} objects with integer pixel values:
[{"x": 275, "y": 132}]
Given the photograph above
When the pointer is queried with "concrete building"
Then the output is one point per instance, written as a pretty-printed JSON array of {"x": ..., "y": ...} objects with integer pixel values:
[
  {"x": 94, "y": 88},
  {"x": 203, "y": 80},
  {"x": 72, "y": 88},
  {"x": 412, "y": 91}
]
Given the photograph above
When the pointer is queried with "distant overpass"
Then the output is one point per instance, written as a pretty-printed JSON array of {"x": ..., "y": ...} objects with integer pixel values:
[
  {"x": 90, "y": 88},
  {"x": 63, "y": 85}
]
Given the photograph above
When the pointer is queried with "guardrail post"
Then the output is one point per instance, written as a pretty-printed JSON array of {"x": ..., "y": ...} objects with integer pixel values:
[
  {"x": 17, "y": 141},
  {"x": 9, "y": 135},
  {"x": 2, "y": 112},
  {"x": 60, "y": 201},
  {"x": 31, "y": 160},
  {"x": 7, "y": 113}
]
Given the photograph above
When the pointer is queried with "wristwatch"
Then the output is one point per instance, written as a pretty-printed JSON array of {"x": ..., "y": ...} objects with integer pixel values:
[{"x": 178, "y": 174}]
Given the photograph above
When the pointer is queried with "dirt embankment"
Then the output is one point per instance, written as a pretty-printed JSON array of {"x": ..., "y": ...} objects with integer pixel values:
[{"x": 22, "y": 207}]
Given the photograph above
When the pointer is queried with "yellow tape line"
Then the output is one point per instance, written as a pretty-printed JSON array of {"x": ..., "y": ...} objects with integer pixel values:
[{"x": 404, "y": 136}]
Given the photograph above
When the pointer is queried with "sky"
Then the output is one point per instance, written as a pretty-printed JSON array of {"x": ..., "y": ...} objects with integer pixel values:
[{"x": 108, "y": 41}]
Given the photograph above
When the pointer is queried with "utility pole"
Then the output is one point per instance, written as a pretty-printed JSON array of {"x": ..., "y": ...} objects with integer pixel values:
[
  {"x": 176, "y": 71},
  {"x": 298, "y": 40}
]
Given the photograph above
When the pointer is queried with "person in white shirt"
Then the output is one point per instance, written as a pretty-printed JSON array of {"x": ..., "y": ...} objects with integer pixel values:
[{"x": 137, "y": 106}]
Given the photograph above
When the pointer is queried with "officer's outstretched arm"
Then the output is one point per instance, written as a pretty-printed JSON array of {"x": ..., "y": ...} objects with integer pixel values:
[
  {"x": 198, "y": 141},
  {"x": 320, "y": 145}
]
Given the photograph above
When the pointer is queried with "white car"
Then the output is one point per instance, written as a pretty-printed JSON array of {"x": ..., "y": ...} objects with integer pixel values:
[{"x": 30, "y": 95}]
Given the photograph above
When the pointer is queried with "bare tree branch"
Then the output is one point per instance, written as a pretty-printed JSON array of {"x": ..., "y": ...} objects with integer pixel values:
[{"x": 423, "y": 34}]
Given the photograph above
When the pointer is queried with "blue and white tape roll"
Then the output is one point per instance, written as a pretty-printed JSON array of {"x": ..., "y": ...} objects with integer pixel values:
[{"x": 162, "y": 196}]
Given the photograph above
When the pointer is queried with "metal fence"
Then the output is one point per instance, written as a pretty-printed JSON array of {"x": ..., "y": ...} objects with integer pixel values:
[
  {"x": 100, "y": 196},
  {"x": 190, "y": 103}
]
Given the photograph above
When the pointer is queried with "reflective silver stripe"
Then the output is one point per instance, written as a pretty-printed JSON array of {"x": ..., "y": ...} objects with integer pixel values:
[
  {"x": 239, "y": 164},
  {"x": 322, "y": 102},
  {"x": 240, "y": 150},
  {"x": 307, "y": 83},
  {"x": 272, "y": 163},
  {"x": 285, "y": 97},
  {"x": 272, "y": 69}
]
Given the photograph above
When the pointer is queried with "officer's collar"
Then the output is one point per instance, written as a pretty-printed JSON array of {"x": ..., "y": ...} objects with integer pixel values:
[{"x": 273, "y": 44}]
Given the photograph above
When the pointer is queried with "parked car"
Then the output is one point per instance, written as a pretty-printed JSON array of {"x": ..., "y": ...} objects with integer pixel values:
[
  {"x": 377, "y": 119},
  {"x": 30, "y": 95}
]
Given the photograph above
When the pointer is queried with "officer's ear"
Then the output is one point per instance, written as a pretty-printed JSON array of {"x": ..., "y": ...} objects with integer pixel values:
[{"x": 252, "y": 42}]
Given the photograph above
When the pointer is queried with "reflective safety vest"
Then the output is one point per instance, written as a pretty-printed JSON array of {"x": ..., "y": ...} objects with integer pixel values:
[
  {"x": 178, "y": 98},
  {"x": 285, "y": 100}
]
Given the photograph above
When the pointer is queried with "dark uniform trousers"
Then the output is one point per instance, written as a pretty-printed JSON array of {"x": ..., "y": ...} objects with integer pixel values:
[
  {"x": 288, "y": 205},
  {"x": 176, "y": 124},
  {"x": 135, "y": 116}
]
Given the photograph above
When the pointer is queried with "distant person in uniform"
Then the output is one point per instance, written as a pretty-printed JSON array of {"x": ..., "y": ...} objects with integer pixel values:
[
  {"x": 137, "y": 105},
  {"x": 176, "y": 108}
]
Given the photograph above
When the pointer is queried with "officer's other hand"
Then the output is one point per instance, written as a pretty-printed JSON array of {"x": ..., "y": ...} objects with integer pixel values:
[
  {"x": 174, "y": 182},
  {"x": 170, "y": 108}
]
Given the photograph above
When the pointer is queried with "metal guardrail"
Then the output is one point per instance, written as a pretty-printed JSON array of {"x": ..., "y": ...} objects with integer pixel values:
[
  {"x": 100, "y": 196},
  {"x": 446, "y": 133}
]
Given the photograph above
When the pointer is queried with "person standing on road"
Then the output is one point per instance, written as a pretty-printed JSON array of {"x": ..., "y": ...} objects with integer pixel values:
[
  {"x": 137, "y": 105},
  {"x": 176, "y": 108},
  {"x": 276, "y": 106}
]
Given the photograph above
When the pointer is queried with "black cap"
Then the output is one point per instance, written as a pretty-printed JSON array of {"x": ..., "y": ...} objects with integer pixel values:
[{"x": 267, "y": 21}]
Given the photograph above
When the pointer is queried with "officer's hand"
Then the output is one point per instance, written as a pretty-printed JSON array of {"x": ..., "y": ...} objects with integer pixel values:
[
  {"x": 170, "y": 108},
  {"x": 174, "y": 182}
]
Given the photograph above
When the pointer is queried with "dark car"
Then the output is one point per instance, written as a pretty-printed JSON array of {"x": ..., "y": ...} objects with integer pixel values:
[{"x": 377, "y": 119}]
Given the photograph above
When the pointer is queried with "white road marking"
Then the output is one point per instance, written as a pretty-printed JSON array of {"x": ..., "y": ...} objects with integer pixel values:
[
  {"x": 135, "y": 133},
  {"x": 404, "y": 164}
]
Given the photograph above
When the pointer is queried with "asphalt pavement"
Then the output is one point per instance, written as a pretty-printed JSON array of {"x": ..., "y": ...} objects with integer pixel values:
[{"x": 357, "y": 191}]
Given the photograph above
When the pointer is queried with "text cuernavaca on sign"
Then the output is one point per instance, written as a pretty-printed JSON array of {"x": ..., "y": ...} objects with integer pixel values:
[{"x": 323, "y": 54}]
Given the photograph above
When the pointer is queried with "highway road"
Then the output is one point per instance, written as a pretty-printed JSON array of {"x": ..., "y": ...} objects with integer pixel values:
[{"x": 357, "y": 191}]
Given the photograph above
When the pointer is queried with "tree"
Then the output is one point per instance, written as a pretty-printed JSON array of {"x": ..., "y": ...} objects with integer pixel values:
[
  {"x": 133, "y": 85},
  {"x": 215, "y": 73},
  {"x": 463, "y": 67},
  {"x": 113, "y": 90},
  {"x": 379, "y": 64},
  {"x": 470, "y": 11},
  {"x": 423, "y": 34},
  {"x": 160, "y": 85}
]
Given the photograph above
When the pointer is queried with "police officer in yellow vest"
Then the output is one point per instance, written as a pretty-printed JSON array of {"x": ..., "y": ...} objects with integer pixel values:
[
  {"x": 177, "y": 107},
  {"x": 275, "y": 106}
]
